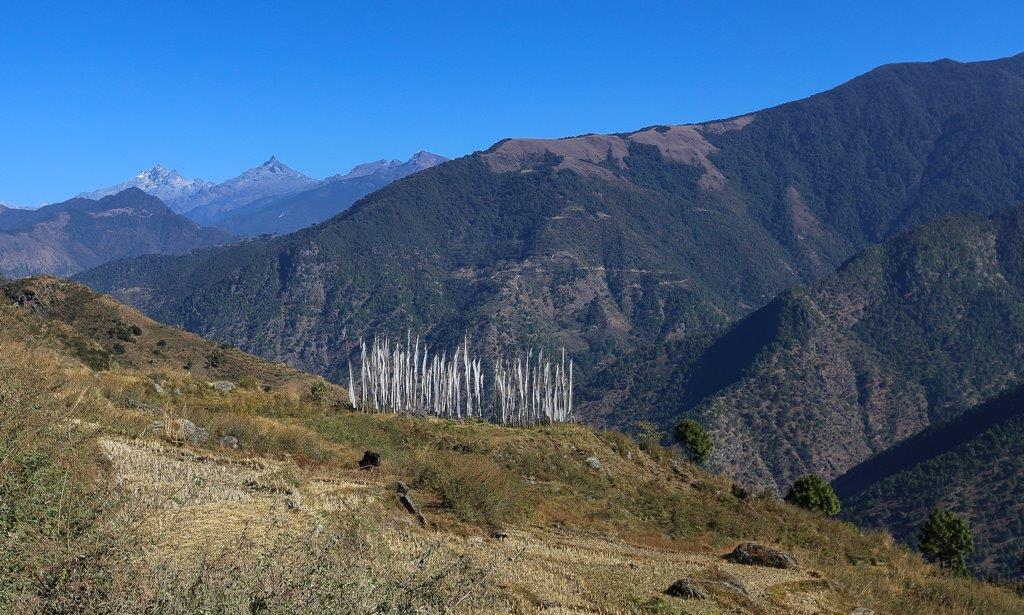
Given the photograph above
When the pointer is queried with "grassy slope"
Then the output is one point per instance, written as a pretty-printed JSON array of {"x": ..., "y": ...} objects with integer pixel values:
[
  {"x": 103, "y": 333},
  {"x": 286, "y": 523}
]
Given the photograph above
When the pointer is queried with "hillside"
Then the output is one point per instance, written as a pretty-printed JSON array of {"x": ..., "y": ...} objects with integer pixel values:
[
  {"x": 105, "y": 335},
  {"x": 64, "y": 238},
  {"x": 291, "y": 212},
  {"x": 973, "y": 465},
  {"x": 116, "y": 504},
  {"x": 904, "y": 335},
  {"x": 609, "y": 243}
]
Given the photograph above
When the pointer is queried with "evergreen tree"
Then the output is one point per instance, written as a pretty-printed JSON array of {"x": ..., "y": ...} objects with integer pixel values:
[
  {"x": 695, "y": 439},
  {"x": 814, "y": 493},
  {"x": 945, "y": 540}
]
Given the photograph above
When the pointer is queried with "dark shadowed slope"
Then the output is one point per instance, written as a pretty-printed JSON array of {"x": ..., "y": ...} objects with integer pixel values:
[{"x": 973, "y": 465}]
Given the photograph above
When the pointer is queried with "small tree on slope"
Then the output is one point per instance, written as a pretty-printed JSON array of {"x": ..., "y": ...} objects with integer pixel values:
[
  {"x": 695, "y": 439},
  {"x": 814, "y": 493},
  {"x": 945, "y": 540}
]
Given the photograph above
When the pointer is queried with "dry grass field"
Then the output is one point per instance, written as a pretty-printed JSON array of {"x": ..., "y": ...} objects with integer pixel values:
[{"x": 119, "y": 493}]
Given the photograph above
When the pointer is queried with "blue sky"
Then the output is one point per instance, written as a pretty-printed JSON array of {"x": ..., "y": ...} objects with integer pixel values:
[{"x": 92, "y": 93}]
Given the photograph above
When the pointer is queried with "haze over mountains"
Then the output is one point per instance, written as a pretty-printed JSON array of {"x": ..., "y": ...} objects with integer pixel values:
[
  {"x": 294, "y": 210},
  {"x": 272, "y": 178}
]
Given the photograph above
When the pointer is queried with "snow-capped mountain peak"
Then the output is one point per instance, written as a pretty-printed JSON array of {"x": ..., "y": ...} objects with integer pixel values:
[
  {"x": 272, "y": 178},
  {"x": 166, "y": 184},
  {"x": 273, "y": 171},
  {"x": 274, "y": 165}
]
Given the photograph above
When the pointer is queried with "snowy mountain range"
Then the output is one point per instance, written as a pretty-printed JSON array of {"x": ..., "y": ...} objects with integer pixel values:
[
  {"x": 294, "y": 210},
  {"x": 272, "y": 178},
  {"x": 269, "y": 198},
  {"x": 202, "y": 200},
  {"x": 165, "y": 184},
  {"x": 4, "y": 206}
]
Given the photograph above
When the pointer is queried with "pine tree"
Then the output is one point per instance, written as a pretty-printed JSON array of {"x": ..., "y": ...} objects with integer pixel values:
[
  {"x": 695, "y": 439},
  {"x": 814, "y": 493},
  {"x": 945, "y": 539}
]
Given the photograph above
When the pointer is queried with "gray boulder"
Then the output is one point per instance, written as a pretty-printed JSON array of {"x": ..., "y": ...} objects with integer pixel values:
[
  {"x": 370, "y": 460},
  {"x": 182, "y": 430},
  {"x": 687, "y": 588},
  {"x": 192, "y": 433},
  {"x": 224, "y": 386},
  {"x": 753, "y": 554}
]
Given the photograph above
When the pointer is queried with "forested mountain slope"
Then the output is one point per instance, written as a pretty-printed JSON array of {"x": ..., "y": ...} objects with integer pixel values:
[
  {"x": 607, "y": 243},
  {"x": 65, "y": 238},
  {"x": 973, "y": 466},
  {"x": 905, "y": 335}
]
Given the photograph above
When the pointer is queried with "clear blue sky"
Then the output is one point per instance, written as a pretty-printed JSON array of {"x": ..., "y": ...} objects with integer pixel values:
[{"x": 90, "y": 95}]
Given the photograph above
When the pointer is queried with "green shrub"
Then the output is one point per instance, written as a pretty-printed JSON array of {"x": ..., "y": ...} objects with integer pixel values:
[
  {"x": 739, "y": 491},
  {"x": 945, "y": 540},
  {"x": 217, "y": 359},
  {"x": 52, "y": 494},
  {"x": 318, "y": 391},
  {"x": 695, "y": 439},
  {"x": 814, "y": 493}
]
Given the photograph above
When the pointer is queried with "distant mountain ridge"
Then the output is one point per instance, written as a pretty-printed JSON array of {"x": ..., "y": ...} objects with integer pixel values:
[
  {"x": 272, "y": 178},
  {"x": 393, "y": 169},
  {"x": 293, "y": 211},
  {"x": 202, "y": 200},
  {"x": 64, "y": 238}
]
